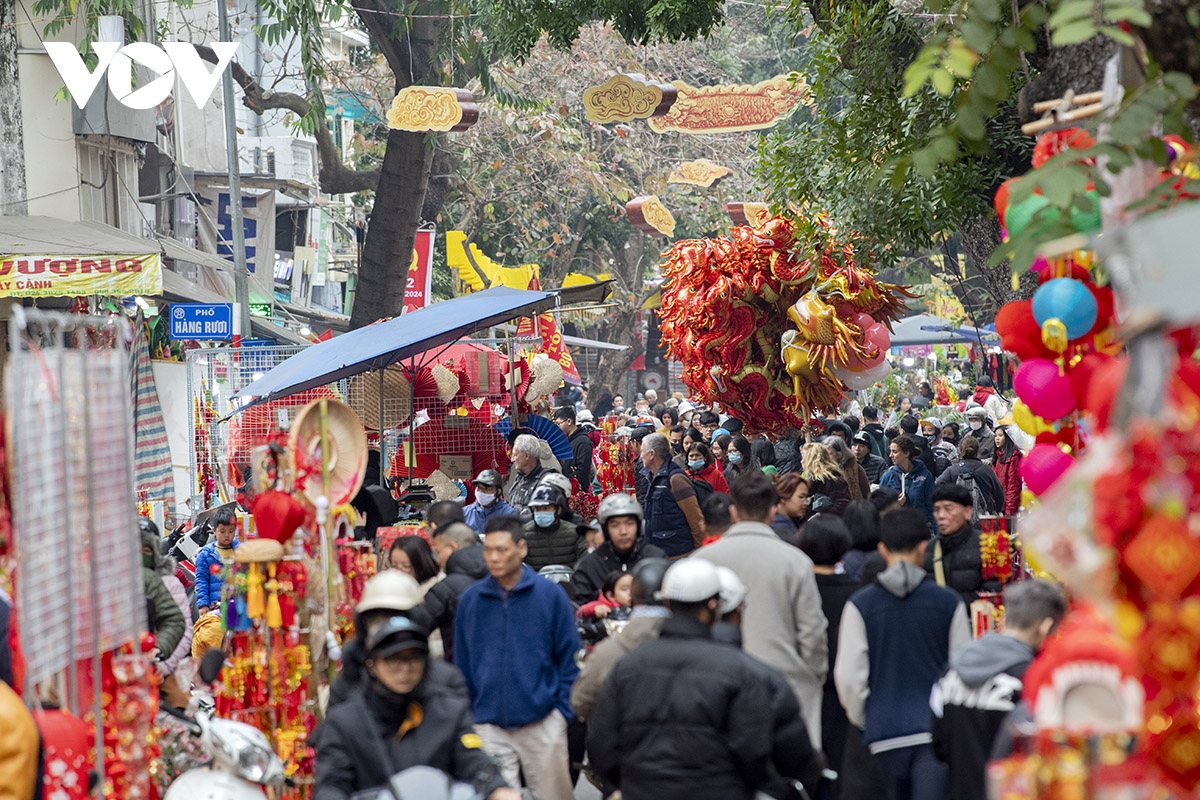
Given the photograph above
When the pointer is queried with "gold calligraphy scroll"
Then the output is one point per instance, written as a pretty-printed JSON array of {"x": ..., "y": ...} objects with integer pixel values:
[
  {"x": 700, "y": 172},
  {"x": 624, "y": 98},
  {"x": 748, "y": 213},
  {"x": 723, "y": 109},
  {"x": 420, "y": 109},
  {"x": 649, "y": 215}
]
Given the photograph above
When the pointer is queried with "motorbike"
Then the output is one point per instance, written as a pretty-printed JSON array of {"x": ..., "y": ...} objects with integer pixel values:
[
  {"x": 420, "y": 783},
  {"x": 243, "y": 761}
]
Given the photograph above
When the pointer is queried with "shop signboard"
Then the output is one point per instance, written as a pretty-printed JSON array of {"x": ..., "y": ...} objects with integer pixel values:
[
  {"x": 70, "y": 276},
  {"x": 210, "y": 321}
]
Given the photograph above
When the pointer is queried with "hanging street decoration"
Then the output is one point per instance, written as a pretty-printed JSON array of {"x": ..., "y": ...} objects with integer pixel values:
[
  {"x": 422, "y": 109},
  {"x": 627, "y": 97},
  {"x": 728, "y": 108},
  {"x": 748, "y": 213},
  {"x": 701, "y": 172},
  {"x": 650, "y": 216},
  {"x": 775, "y": 322}
]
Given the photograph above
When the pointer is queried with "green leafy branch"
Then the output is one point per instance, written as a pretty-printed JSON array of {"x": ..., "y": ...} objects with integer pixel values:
[{"x": 1066, "y": 181}]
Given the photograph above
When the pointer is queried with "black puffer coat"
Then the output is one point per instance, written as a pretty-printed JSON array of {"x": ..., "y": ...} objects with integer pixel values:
[
  {"x": 962, "y": 563},
  {"x": 463, "y": 568},
  {"x": 359, "y": 746},
  {"x": 561, "y": 545},
  {"x": 682, "y": 718},
  {"x": 595, "y": 567}
]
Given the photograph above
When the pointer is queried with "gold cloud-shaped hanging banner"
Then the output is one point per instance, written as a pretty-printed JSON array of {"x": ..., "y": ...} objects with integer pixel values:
[
  {"x": 626, "y": 97},
  {"x": 700, "y": 172},
  {"x": 728, "y": 108},
  {"x": 649, "y": 215},
  {"x": 748, "y": 213},
  {"x": 420, "y": 109}
]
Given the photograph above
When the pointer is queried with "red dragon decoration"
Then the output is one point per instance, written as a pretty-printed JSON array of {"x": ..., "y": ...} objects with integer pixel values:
[{"x": 727, "y": 304}]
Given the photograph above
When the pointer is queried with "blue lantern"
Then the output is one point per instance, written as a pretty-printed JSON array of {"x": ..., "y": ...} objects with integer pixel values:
[{"x": 1067, "y": 300}]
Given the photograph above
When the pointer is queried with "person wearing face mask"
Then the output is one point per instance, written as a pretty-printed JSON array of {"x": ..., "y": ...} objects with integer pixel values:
[
  {"x": 980, "y": 426},
  {"x": 412, "y": 711},
  {"x": 489, "y": 500},
  {"x": 702, "y": 466},
  {"x": 551, "y": 535},
  {"x": 741, "y": 458}
]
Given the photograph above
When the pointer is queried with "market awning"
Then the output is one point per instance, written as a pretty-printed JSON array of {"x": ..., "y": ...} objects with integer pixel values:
[
  {"x": 926, "y": 329},
  {"x": 385, "y": 343},
  {"x": 578, "y": 341},
  {"x": 50, "y": 257}
]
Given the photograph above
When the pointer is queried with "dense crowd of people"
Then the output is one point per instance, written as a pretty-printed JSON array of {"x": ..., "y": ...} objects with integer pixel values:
[{"x": 754, "y": 617}]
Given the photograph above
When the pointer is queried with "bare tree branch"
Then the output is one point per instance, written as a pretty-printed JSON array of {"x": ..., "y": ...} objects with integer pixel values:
[{"x": 335, "y": 177}]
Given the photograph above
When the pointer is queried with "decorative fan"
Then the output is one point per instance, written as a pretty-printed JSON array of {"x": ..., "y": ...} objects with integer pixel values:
[
  {"x": 345, "y": 453},
  {"x": 397, "y": 396},
  {"x": 560, "y": 445},
  {"x": 447, "y": 383},
  {"x": 547, "y": 377}
]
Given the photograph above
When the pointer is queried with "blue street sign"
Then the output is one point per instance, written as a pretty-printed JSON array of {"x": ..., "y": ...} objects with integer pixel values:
[{"x": 212, "y": 321}]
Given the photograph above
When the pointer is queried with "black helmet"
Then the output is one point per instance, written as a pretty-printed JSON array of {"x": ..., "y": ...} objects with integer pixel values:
[
  {"x": 546, "y": 495},
  {"x": 146, "y": 525},
  {"x": 397, "y": 633},
  {"x": 488, "y": 477},
  {"x": 647, "y": 580}
]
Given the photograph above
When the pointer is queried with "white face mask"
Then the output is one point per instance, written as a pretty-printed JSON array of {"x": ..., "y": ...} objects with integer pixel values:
[
  {"x": 975, "y": 424},
  {"x": 483, "y": 498}
]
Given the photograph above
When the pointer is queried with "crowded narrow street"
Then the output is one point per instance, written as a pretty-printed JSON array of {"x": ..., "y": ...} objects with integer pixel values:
[{"x": 603, "y": 400}]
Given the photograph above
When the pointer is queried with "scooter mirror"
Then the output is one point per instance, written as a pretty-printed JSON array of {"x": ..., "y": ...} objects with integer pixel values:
[{"x": 210, "y": 665}]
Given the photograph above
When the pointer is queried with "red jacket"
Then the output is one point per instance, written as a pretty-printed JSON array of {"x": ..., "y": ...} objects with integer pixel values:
[
  {"x": 713, "y": 475},
  {"x": 589, "y": 609},
  {"x": 1009, "y": 473}
]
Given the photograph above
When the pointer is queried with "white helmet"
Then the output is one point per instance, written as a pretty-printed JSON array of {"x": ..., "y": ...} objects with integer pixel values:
[
  {"x": 690, "y": 580},
  {"x": 978, "y": 412},
  {"x": 391, "y": 590},
  {"x": 733, "y": 591},
  {"x": 618, "y": 504},
  {"x": 558, "y": 481}
]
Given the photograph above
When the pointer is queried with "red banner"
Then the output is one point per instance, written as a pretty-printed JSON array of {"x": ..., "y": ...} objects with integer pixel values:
[
  {"x": 546, "y": 327},
  {"x": 420, "y": 272}
]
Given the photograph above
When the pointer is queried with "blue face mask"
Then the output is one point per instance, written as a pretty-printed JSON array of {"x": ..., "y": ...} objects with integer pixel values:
[
  {"x": 543, "y": 519},
  {"x": 735, "y": 457},
  {"x": 696, "y": 464}
]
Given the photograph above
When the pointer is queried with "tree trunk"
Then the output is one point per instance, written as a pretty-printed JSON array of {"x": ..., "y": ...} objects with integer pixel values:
[
  {"x": 980, "y": 238},
  {"x": 383, "y": 272},
  {"x": 619, "y": 327},
  {"x": 12, "y": 152}
]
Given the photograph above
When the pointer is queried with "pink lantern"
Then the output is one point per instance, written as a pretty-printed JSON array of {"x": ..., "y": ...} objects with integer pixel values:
[
  {"x": 1043, "y": 466},
  {"x": 1044, "y": 389}
]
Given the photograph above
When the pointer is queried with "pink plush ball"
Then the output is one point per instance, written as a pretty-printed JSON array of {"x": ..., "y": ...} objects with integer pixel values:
[
  {"x": 1047, "y": 392},
  {"x": 1043, "y": 466}
]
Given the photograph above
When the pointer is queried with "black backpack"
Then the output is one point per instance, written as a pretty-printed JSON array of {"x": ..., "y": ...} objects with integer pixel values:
[{"x": 704, "y": 490}]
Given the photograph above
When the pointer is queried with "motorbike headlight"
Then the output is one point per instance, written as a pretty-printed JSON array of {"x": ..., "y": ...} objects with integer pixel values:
[{"x": 248, "y": 752}]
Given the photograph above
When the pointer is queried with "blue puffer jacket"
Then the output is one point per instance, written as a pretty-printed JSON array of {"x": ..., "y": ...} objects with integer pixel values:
[
  {"x": 916, "y": 485},
  {"x": 516, "y": 649},
  {"x": 208, "y": 586},
  {"x": 477, "y": 516}
]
